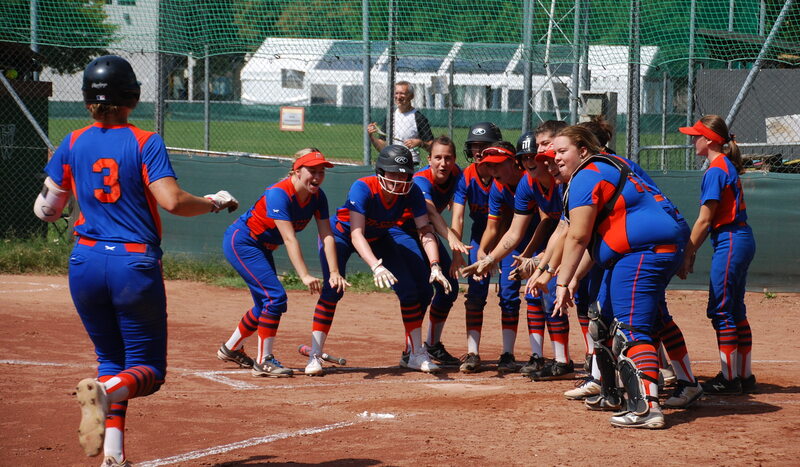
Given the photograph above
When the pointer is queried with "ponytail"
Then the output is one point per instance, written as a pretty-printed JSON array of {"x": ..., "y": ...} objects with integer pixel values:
[{"x": 735, "y": 155}]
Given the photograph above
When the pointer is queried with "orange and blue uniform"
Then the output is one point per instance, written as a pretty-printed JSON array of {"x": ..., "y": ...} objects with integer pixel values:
[
  {"x": 115, "y": 268},
  {"x": 249, "y": 241},
  {"x": 734, "y": 249}
]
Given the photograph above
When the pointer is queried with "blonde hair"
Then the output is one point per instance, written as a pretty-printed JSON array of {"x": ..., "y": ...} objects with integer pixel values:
[
  {"x": 101, "y": 111},
  {"x": 717, "y": 124},
  {"x": 582, "y": 137},
  {"x": 302, "y": 153}
]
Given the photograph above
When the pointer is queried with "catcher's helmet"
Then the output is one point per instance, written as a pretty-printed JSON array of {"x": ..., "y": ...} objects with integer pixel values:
[
  {"x": 526, "y": 144},
  {"x": 395, "y": 159},
  {"x": 110, "y": 80},
  {"x": 482, "y": 132}
]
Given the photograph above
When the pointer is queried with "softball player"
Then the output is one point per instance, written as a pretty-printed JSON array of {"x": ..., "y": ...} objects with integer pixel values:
[
  {"x": 438, "y": 182},
  {"x": 119, "y": 174},
  {"x": 724, "y": 217},
  {"x": 628, "y": 233},
  {"x": 284, "y": 209},
  {"x": 367, "y": 224},
  {"x": 473, "y": 189}
]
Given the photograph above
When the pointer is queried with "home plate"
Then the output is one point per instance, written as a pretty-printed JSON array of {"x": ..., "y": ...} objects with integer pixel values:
[{"x": 462, "y": 387}]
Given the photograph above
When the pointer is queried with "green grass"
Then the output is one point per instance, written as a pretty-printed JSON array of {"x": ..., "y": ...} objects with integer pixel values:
[{"x": 50, "y": 256}]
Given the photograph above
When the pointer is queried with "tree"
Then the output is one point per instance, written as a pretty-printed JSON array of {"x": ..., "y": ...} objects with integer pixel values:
[{"x": 70, "y": 32}]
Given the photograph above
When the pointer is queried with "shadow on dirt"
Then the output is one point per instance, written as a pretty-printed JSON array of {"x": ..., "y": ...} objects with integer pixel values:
[{"x": 255, "y": 461}]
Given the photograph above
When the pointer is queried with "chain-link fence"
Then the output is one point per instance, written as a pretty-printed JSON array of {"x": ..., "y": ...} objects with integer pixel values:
[{"x": 267, "y": 77}]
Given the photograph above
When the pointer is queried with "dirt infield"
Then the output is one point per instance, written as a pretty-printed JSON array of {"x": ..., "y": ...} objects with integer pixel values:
[{"x": 372, "y": 412}]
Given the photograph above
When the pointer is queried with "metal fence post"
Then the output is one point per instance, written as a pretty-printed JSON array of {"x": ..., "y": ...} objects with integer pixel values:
[
  {"x": 527, "y": 66},
  {"x": 664, "y": 120},
  {"x": 751, "y": 76},
  {"x": 634, "y": 85},
  {"x": 206, "y": 100},
  {"x": 34, "y": 32},
  {"x": 690, "y": 80},
  {"x": 390, "y": 77},
  {"x": 576, "y": 51},
  {"x": 450, "y": 102},
  {"x": 367, "y": 94}
]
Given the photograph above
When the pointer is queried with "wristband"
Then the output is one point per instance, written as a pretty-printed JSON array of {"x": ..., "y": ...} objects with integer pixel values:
[
  {"x": 550, "y": 270},
  {"x": 561, "y": 285},
  {"x": 434, "y": 263},
  {"x": 543, "y": 268}
]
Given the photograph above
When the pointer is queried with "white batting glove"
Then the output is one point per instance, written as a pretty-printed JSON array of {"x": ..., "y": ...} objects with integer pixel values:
[
  {"x": 222, "y": 200},
  {"x": 480, "y": 267},
  {"x": 438, "y": 276},
  {"x": 383, "y": 277}
]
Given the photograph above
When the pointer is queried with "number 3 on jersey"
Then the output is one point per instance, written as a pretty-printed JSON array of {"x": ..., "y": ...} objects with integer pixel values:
[{"x": 110, "y": 181}]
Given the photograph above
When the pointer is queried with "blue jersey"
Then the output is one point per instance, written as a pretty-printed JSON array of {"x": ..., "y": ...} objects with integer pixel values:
[
  {"x": 532, "y": 196},
  {"x": 366, "y": 198},
  {"x": 721, "y": 183},
  {"x": 439, "y": 195},
  {"x": 659, "y": 196},
  {"x": 501, "y": 205},
  {"x": 279, "y": 202},
  {"x": 108, "y": 169},
  {"x": 636, "y": 222},
  {"x": 471, "y": 190}
]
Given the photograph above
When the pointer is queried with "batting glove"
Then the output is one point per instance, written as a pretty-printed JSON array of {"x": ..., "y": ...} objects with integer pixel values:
[
  {"x": 438, "y": 276},
  {"x": 382, "y": 276},
  {"x": 222, "y": 200},
  {"x": 480, "y": 267}
]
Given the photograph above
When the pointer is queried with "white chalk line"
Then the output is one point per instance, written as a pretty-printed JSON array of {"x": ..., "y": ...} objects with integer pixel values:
[
  {"x": 42, "y": 287},
  {"x": 365, "y": 417}
]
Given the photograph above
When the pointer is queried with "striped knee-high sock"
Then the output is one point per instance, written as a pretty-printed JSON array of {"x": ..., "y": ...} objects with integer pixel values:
[
  {"x": 137, "y": 381},
  {"x": 509, "y": 322},
  {"x": 412, "y": 320},
  {"x": 559, "y": 339},
  {"x": 728, "y": 342},
  {"x": 672, "y": 338},
  {"x": 247, "y": 326},
  {"x": 645, "y": 358},
  {"x": 745, "y": 345},
  {"x": 536, "y": 327},
  {"x": 267, "y": 329},
  {"x": 114, "y": 442},
  {"x": 474, "y": 319},
  {"x": 583, "y": 321},
  {"x": 438, "y": 316},
  {"x": 323, "y": 316}
]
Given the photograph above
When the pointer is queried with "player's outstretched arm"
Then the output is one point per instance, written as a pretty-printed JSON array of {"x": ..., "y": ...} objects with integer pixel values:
[
  {"x": 335, "y": 279},
  {"x": 176, "y": 201},
  {"x": 51, "y": 201}
]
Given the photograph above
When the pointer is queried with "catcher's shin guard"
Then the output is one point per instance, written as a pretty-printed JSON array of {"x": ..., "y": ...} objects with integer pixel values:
[{"x": 608, "y": 374}]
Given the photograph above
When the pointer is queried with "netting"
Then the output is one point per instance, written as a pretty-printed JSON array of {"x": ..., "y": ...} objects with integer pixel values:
[{"x": 217, "y": 75}]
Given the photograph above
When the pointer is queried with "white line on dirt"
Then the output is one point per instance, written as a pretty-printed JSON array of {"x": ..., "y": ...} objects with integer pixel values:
[
  {"x": 218, "y": 378},
  {"x": 249, "y": 443},
  {"x": 37, "y": 287},
  {"x": 30, "y": 363}
]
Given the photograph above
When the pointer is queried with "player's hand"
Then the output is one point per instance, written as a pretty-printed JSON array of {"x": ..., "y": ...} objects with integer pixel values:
[
  {"x": 687, "y": 267},
  {"x": 314, "y": 285},
  {"x": 412, "y": 143},
  {"x": 537, "y": 284},
  {"x": 383, "y": 277},
  {"x": 480, "y": 268},
  {"x": 438, "y": 276},
  {"x": 456, "y": 265},
  {"x": 563, "y": 298},
  {"x": 524, "y": 268},
  {"x": 372, "y": 128},
  {"x": 337, "y": 282},
  {"x": 456, "y": 244},
  {"x": 222, "y": 200}
]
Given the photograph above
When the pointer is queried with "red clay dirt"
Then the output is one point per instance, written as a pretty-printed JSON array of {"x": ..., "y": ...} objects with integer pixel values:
[{"x": 372, "y": 412}]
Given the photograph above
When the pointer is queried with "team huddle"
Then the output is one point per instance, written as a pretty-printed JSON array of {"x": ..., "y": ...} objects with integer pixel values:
[{"x": 558, "y": 218}]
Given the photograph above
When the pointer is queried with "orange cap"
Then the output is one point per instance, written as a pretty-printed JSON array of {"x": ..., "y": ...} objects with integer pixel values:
[
  {"x": 310, "y": 160},
  {"x": 496, "y": 155},
  {"x": 549, "y": 154},
  {"x": 698, "y": 129}
]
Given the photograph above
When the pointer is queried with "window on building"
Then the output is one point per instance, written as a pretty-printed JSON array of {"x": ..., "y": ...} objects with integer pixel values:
[
  {"x": 292, "y": 79},
  {"x": 515, "y": 99},
  {"x": 126, "y": 2},
  {"x": 324, "y": 94},
  {"x": 352, "y": 96}
]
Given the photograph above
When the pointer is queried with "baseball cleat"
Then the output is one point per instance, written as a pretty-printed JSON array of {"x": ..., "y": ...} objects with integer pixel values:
[
  {"x": 507, "y": 363},
  {"x": 555, "y": 370},
  {"x": 583, "y": 389},
  {"x": 749, "y": 384},
  {"x": 667, "y": 377},
  {"x": 685, "y": 395},
  {"x": 440, "y": 355},
  {"x": 420, "y": 361},
  {"x": 314, "y": 367},
  {"x": 535, "y": 363},
  {"x": 652, "y": 421},
  {"x": 91, "y": 395},
  {"x": 271, "y": 367},
  {"x": 112, "y": 462},
  {"x": 718, "y": 385},
  {"x": 471, "y": 363},
  {"x": 238, "y": 357}
]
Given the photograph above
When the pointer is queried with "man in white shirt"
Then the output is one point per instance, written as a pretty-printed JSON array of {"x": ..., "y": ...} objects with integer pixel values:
[{"x": 411, "y": 128}]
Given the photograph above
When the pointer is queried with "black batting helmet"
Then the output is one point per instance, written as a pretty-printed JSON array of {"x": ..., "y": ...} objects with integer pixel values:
[
  {"x": 526, "y": 144},
  {"x": 110, "y": 80},
  {"x": 393, "y": 159},
  {"x": 481, "y": 132}
]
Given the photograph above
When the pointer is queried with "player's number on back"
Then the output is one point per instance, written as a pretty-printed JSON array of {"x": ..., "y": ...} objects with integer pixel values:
[{"x": 111, "y": 192}]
